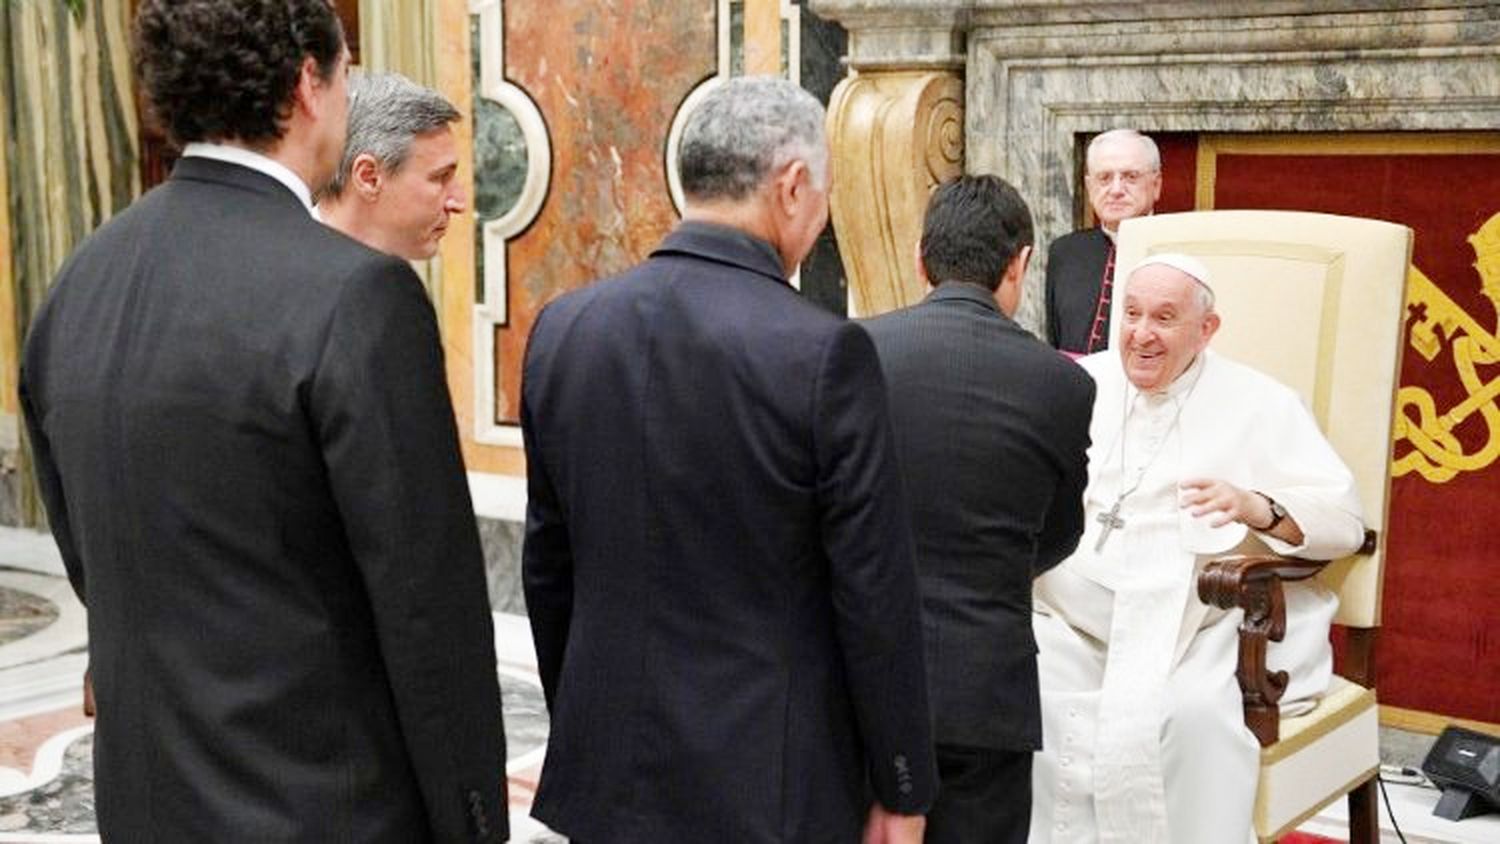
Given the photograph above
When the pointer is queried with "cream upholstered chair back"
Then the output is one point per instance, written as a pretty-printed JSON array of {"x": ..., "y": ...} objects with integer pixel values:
[{"x": 1317, "y": 302}]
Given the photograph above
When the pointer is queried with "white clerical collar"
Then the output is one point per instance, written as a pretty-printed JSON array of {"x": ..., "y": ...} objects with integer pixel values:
[
  {"x": 1175, "y": 391},
  {"x": 255, "y": 161}
]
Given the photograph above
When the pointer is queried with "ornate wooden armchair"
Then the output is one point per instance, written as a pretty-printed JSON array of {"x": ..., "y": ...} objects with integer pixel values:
[{"x": 1316, "y": 301}]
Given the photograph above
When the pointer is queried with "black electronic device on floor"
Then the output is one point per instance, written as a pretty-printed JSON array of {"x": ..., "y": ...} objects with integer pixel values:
[{"x": 1466, "y": 765}]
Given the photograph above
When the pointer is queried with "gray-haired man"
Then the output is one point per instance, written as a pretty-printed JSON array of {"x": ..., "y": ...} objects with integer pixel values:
[
  {"x": 395, "y": 186},
  {"x": 718, "y": 563},
  {"x": 1123, "y": 179}
]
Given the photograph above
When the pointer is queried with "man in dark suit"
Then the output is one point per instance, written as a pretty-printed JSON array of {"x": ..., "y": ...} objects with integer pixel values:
[
  {"x": 717, "y": 563},
  {"x": 1123, "y": 179},
  {"x": 245, "y": 445},
  {"x": 991, "y": 431}
]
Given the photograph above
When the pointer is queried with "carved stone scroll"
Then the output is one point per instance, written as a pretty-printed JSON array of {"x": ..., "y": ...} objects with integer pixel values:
[{"x": 896, "y": 135}]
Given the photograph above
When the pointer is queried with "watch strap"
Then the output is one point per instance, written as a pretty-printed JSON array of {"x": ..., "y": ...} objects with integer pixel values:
[{"x": 1278, "y": 512}]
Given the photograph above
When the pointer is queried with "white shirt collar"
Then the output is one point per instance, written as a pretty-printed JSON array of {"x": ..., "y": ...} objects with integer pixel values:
[{"x": 255, "y": 161}]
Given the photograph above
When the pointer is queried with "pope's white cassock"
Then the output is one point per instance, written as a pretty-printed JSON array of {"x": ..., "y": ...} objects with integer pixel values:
[{"x": 1142, "y": 723}]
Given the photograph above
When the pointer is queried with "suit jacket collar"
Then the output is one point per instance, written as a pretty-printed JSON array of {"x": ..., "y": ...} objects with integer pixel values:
[
  {"x": 723, "y": 244},
  {"x": 959, "y": 291},
  {"x": 255, "y": 161},
  {"x": 200, "y": 169}
]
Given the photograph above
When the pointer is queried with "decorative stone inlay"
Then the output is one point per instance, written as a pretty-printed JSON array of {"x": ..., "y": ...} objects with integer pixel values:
[
  {"x": 23, "y": 613},
  {"x": 501, "y": 540},
  {"x": 65, "y": 804},
  {"x": 500, "y": 157},
  {"x": 594, "y": 91},
  {"x": 494, "y": 93},
  {"x": 526, "y": 721}
]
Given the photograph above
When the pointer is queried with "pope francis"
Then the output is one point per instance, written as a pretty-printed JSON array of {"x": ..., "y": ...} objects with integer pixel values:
[{"x": 1193, "y": 456}]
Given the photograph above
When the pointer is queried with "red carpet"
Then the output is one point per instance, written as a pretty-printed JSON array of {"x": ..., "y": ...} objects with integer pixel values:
[{"x": 1305, "y": 838}]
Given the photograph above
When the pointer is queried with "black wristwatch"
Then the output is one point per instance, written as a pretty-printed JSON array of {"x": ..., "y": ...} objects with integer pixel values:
[{"x": 1278, "y": 512}]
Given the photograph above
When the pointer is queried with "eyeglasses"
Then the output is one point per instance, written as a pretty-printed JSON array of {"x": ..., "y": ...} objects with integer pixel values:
[{"x": 1129, "y": 178}]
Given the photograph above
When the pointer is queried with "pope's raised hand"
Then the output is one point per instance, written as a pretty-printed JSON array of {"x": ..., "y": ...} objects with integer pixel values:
[{"x": 1222, "y": 502}]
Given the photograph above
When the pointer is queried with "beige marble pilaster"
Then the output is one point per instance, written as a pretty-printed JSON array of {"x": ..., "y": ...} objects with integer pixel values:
[
  {"x": 896, "y": 125},
  {"x": 896, "y": 134},
  {"x": 762, "y": 37}
]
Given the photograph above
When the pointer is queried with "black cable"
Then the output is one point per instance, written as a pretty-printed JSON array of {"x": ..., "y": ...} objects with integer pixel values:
[{"x": 1390, "y": 813}]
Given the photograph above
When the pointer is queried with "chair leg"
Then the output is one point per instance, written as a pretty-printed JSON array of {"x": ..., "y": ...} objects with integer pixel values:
[{"x": 1364, "y": 813}]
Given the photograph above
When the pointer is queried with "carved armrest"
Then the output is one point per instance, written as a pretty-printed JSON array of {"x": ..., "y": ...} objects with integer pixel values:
[{"x": 1253, "y": 583}]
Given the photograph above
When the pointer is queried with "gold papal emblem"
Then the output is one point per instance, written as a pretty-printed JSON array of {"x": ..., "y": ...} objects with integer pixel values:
[{"x": 1436, "y": 453}]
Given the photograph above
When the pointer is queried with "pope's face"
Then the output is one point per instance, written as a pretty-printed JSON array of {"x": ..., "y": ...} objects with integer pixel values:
[{"x": 1165, "y": 326}]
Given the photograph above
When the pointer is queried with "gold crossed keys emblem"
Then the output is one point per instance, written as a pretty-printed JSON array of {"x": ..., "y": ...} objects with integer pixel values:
[{"x": 1436, "y": 453}]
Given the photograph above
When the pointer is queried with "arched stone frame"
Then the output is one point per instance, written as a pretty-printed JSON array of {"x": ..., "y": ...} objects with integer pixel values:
[
  {"x": 490, "y": 310},
  {"x": 485, "y": 428}
]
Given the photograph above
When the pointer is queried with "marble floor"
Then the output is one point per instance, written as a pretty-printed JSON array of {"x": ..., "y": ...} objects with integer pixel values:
[{"x": 46, "y": 743}]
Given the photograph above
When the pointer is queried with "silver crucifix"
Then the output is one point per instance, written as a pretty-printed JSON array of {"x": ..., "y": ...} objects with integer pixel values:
[{"x": 1111, "y": 522}]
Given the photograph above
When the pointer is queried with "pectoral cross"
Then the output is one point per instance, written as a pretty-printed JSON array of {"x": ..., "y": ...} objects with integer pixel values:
[{"x": 1111, "y": 522}]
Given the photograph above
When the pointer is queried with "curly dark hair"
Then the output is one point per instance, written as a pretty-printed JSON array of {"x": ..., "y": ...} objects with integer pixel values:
[{"x": 225, "y": 69}]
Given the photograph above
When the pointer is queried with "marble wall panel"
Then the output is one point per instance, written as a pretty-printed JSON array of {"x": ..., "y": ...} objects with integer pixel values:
[
  {"x": 608, "y": 80},
  {"x": 500, "y": 154}
]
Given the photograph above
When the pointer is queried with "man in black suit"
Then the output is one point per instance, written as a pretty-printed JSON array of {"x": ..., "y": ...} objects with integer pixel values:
[
  {"x": 717, "y": 562},
  {"x": 1123, "y": 179},
  {"x": 991, "y": 431},
  {"x": 245, "y": 445}
]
